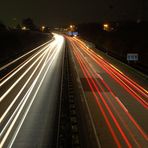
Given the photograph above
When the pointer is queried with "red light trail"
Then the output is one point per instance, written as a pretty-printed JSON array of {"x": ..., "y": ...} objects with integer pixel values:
[{"x": 105, "y": 101}]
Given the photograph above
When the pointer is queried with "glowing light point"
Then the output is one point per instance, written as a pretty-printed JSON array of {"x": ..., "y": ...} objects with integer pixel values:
[
  {"x": 43, "y": 28},
  {"x": 24, "y": 28}
]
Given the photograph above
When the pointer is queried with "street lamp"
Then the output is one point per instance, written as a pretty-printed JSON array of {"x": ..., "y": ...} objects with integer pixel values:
[
  {"x": 43, "y": 28},
  {"x": 24, "y": 28},
  {"x": 106, "y": 27},
  {"x": 71, "y": 26}
]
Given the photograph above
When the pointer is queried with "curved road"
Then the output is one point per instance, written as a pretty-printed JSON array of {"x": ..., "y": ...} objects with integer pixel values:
[
  {"x": 29, "y": 93},
  {"x": 117, "y": 104}
]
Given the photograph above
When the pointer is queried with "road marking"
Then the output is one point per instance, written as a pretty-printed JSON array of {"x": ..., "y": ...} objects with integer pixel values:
[
  {"x": 121, "y": 104},
  {"x": 99, "y": 76}
]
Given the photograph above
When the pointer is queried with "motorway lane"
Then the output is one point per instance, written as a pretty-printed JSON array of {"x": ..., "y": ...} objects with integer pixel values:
[
  {"x": 118, "y": 104},
  {"x": 29, "y": 97},
  {"x": 6, "y": 69}
]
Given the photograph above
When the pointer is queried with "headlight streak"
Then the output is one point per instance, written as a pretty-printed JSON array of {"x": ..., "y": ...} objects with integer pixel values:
[
  {"x": 125, "y": 110},
  {"x": 14, "y": 100},
  {"x": 48, "y": 62},
  {"x": 5, "y": 66},
  {"x": 18, "y": 80},
  {"x": 18, "y": 109},
  {"x": 29, "y": 60},
  {"x": 94, "y": 74},
  {"x": 19, "y": 127},
  {"x": 23, "y": 63},
  {"x": 21, "y": 105},
  {"x": 117, "y": 77},
  {"x": 15, "y": 83}
]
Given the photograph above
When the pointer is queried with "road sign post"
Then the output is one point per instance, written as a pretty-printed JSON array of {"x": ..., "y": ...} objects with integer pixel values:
[{"x": 132, "y": 57}]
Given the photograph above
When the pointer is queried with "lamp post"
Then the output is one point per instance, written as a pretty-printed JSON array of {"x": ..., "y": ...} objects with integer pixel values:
[{"x": 43, "y": 28}]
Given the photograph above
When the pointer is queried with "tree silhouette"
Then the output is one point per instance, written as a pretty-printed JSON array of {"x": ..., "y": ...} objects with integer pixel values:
[
  {"x": 18, "y": 27},
  {"x": 2, "y": 26},
  {"x": 29, "y": 24}
]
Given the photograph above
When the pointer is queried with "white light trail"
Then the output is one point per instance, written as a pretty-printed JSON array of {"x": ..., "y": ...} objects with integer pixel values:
[
  {"x": 5, "y": 66},
  {"x": 22, "y": 66},
  {"x": 48, "y": 61},
  {"x": 14, "y": 100},
  {"x": 14, "y": 84},
  {"x": 18, "y": 80},
  {"x": 3, "y": 116}
]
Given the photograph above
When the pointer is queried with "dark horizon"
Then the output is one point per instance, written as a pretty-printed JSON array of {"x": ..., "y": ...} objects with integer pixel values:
[{"x": 65, "y": 13}]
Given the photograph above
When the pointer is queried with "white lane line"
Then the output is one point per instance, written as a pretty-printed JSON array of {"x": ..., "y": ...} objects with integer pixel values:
[
  {"x": 121, "y": 104},
  {"x": 87, "y": 106},
  {"x": 99, "y": 76}
]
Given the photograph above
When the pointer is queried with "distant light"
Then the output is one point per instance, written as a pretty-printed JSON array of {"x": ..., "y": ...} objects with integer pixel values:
[
  {"x": 24, "y": 28},
  {"x": 75, "y": 33},
  {"x": 138, "y": 20},
  {"x": 43, "y": 28},
  {"x": 71, "y": 26},
  {"x": 106, "y": 27}
]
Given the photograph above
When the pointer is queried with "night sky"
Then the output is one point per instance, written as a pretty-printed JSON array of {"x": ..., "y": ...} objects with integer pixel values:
[{"x": 60, "y": 12}]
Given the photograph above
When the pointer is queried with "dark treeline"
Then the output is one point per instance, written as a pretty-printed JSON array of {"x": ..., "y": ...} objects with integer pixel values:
[
  {"x": 124, "y": 37},
  {"x": 14, "y": 42}
]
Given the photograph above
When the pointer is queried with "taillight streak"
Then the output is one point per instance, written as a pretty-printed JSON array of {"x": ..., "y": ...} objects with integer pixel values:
[
  {"x": 134, "y": 84},
  {"x": 98, "y": 103},
  {"x": 115, "y": 77},
  {"x": 125, "y": 110},
  {"x": 107, "y": 107},
  {"x": 94, "y": 74}
]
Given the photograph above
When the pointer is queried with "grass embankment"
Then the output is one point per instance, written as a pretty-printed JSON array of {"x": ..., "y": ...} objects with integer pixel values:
[
  {"x": 14, "y": 43},
  {"x": 127, "y": 37}
]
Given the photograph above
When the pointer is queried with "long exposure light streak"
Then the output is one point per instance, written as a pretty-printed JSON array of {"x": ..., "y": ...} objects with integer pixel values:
[
  {"x": 125, "y": 83},
  {"x": 91, "y": 75},
  {"x": 41, "y": 64}
]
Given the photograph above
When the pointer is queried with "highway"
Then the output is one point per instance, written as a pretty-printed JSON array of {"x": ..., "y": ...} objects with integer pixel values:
[
  {"x": 118, "y": 105},
  {"x": 29, "y": 96},
  {"x": 116, "y": 99}
]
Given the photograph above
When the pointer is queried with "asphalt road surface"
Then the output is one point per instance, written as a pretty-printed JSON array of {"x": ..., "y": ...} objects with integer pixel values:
[
  {"x": 117, "y": 103},
  {"x": 29, "y": 91},
  {"x": 116, "y": 98}
]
